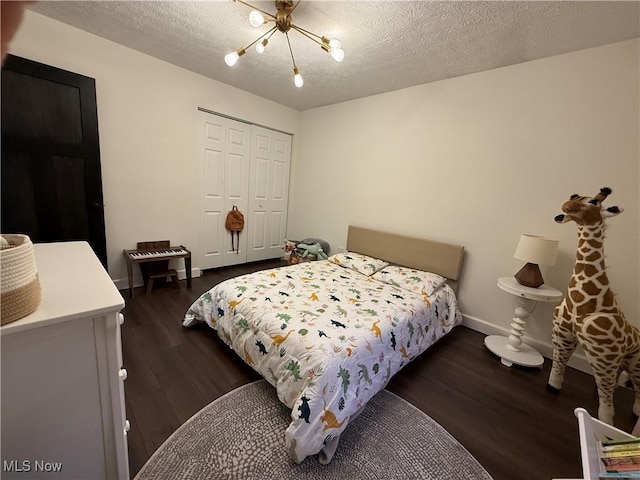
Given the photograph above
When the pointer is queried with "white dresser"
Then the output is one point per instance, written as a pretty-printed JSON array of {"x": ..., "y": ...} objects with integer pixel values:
[{"x": 62, "y": 411}]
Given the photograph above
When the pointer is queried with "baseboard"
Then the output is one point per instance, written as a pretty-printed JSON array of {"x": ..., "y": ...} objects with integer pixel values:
[
  {"x": 123, "y": 283},
  {"x": 577, "y": 360}
]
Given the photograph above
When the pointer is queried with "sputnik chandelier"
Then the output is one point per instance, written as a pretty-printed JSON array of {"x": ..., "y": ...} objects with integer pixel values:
[{"x": 283, "y": 23}]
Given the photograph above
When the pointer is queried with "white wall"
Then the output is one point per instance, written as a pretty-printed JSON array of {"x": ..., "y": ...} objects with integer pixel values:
[
  {"x": 148, "y": 126},
  {"x": 478, "y": 160}
]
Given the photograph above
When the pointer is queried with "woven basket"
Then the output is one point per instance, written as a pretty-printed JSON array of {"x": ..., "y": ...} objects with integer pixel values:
[{"x": 20, "y": 284}]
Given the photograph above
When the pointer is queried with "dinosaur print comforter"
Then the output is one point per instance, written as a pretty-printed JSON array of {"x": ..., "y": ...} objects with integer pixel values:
[{"x": 326, "y": 337}]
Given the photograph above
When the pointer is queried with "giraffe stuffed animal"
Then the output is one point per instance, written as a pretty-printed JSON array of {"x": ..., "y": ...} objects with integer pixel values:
[{"x": 589, "y": 314}]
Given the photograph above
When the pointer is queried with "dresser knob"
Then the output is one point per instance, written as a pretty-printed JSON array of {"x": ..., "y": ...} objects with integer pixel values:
[
  {"x": 123, "y": 373},
  {"x": 120, "y": 318}
]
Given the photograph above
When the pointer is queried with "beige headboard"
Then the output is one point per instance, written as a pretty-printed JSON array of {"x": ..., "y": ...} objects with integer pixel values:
[{"x": 441, "y": 258}]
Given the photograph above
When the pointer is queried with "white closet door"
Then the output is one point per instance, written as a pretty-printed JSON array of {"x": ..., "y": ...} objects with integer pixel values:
[
  {"x": 225, "y": 162},
  {"x": 268, "y": 193}
]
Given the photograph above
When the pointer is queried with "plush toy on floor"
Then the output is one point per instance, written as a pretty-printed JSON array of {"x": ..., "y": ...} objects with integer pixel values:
[
  {"x": 314, "y": 249},
  {"x": 589, "y": 313},
  {"x": 288, "y": 248},
  {"x": 294, "y": 259}
]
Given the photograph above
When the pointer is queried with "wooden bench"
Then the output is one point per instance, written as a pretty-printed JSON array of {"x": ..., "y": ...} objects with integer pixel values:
[{"x": 162, "y": 275}]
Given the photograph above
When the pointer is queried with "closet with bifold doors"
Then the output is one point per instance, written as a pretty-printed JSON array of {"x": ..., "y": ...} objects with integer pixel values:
[{"x": 248, "y": 166}]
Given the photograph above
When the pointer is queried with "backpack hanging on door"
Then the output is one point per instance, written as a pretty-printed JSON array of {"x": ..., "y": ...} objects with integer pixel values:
[{"x": 235, "y": 224}]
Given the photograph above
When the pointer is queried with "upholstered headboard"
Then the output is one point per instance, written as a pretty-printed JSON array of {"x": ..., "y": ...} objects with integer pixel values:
[{"x": 442, "y": 258}]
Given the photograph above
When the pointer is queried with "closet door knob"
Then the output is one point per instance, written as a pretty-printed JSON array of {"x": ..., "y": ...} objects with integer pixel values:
[
  {"x": 127, "y": 426},
  {"x": 123, "y": 374}
]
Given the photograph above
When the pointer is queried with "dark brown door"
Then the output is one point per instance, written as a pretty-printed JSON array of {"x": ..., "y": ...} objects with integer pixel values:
[{"x": 51, "y": 178}]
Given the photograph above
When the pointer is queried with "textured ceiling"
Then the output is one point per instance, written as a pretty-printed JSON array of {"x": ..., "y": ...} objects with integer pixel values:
[{"x": 389, "y": 44}]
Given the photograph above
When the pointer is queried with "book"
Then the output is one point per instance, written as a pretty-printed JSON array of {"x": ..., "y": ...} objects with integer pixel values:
[
  {"x": 610, "y": 461},
  {"x": 619, "y": 475},
  {"x": 621, "y": 448},
  {"x": 628, "y": 444},
  {"x": 621, "y": 453},
  {"x": 621, "y": 441},
  {"x": 623, "y": 468}
]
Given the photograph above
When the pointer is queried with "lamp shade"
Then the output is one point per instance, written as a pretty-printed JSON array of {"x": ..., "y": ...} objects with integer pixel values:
[{"x": 536, "y": 249}]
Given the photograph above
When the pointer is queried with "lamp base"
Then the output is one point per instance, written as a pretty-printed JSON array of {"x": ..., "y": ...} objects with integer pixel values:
[{"x": 530, "y": 276}]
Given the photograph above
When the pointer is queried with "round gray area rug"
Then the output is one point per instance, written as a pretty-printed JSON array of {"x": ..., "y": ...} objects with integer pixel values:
[{"x": 241, "y": 436}]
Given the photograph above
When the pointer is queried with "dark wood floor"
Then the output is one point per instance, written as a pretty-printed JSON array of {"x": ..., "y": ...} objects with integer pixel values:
[{"x": 503, "y": 416}]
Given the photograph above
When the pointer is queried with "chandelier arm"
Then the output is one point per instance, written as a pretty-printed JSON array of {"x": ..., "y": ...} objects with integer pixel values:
[
  {"x": 290, "y": 50},
  {"x": 258, "y": 39},
  {"x": 307, "y": 33},
  {"x": 294, "y": 7},
  {"x": 304, "y": 32},
  {"x": 271, "y": 32},
  {"x": 256, "y": 8}
]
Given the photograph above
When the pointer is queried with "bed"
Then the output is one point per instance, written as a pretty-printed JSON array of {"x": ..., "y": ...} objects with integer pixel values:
[{"x": 329, "y": 335}]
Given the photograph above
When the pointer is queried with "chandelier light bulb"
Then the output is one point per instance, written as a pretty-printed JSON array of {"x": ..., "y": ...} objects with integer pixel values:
[
  {"x": 297, "y": 78},
  {"x": 261, "y": 46},
  {"x": 337, "y": 54},
  {"x": 231, "y": 58},
  {"x": 256, "y": 19}
]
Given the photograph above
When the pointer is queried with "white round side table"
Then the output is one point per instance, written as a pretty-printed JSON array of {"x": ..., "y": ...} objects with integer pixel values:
[{"x": 511, "y": 349}]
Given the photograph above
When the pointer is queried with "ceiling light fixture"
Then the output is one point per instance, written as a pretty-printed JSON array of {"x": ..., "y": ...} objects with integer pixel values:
[{"x": 283, "y": 23}]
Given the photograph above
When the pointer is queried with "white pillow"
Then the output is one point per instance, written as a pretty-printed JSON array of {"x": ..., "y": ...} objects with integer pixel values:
[
  {"x": 358, "y": 262},
  {"x": 417, "y": 281}
]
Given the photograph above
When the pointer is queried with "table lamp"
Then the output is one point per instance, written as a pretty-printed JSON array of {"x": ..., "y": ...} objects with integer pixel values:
[{"x": 534, "y": 250}]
